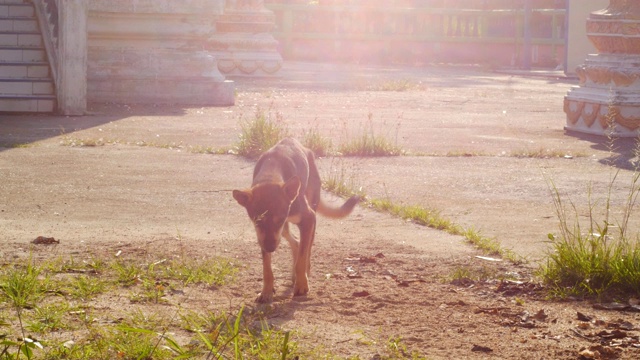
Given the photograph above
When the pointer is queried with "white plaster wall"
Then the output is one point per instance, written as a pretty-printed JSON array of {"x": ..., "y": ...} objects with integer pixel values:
[{"x": 578, "y": 45}]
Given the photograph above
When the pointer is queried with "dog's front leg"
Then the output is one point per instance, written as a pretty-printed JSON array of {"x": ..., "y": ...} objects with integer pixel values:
[
  {"x": 294, "y": 245},
  {"x": 303, "y": 263},
  {"x": 266, "y": 296}
]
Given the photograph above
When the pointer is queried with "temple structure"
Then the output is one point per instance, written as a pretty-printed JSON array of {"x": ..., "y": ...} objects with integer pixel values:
[
  {"x": 607, "y": 100},
  {"x": 137, "y": 51}
]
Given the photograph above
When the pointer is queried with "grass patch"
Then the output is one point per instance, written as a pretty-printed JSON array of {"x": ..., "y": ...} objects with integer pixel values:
[
  {"x": 265, "y": 129},
  {"x": 600, "y": 257},
  {"x": 543, "y": 153},
  {"x": 398, "y": 85},
  {"x": 261, "y": 133},
  {"x": 341, "y": 181},
  {"x": 144, "y": 331},
  {"x": 433, "y": 219},
  {"x": 369, "y": 143},
  {"x": 320, "y": 145},
  {"x": 18, "y": 145},
  {"x": 473, "y": 273}
]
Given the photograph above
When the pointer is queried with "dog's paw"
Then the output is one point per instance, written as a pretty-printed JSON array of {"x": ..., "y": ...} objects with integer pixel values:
[
  {"x": 265, "y": 298},
  {"x": 300, "y": 288}
]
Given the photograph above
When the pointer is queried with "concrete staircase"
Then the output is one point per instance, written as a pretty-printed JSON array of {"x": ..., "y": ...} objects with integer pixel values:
[{"x": 26, "y": 84}]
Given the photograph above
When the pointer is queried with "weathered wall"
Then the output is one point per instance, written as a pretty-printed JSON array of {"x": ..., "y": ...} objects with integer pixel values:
[{"x": 152, "y": 51}]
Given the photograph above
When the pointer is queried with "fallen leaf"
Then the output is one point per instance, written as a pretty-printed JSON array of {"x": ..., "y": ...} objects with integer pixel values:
[
  {"x": 480, "y": 348},
  {"x": 621, "y": 324},
  {"x": 362, "y": 293},
  {"x": 488, "y": 258},
  {"x": 615, "y": 334},
  {"x": 583, "y": 317},
  {"x": 611, "y": 306},
  {"x": 587, "y": 354},
  {"x": 43, "y": 240},
  {"x": 540, "y": 315}
]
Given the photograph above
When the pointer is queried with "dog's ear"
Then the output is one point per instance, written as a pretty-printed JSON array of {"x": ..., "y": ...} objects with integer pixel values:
[
  {"x": 291, "y": 188},
  {"x": 243, "y": 197}
]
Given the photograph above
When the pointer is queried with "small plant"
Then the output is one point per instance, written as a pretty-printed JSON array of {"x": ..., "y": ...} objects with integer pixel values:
[
  {"x": 86, "y": 287},
  {"x": 473, "y": 273},
  {"x": 601, "y": 258},
  {"x": 396, "y": 349},
  {"x": 49, "y": 318},
  {"x": 368, "y": 143},
  {"x": 341, "y": 181},
  {"x": 21, "y": 288},
  {"x": 128, "y": 274},
  {"x": 543, "y": 153},
  {"x": 261, "y": 133},
  {"x": 313, "y": 140},
  {"x": 209, "y": 271}
]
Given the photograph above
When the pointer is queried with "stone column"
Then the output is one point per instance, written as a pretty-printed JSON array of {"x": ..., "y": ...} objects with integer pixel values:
[
  {"x": 72, "y": 57},
  {"x": 243, "y": 44},
  {"x": 607, "y": 101}
]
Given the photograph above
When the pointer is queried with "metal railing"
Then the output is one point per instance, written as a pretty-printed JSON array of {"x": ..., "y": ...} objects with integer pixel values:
[
  {"x": 399, "y": 28},
  {"x": 47, "y": 13}
]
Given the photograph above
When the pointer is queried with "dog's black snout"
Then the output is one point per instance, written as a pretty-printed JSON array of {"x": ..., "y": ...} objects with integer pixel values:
[{"x": 270, "y": 246}]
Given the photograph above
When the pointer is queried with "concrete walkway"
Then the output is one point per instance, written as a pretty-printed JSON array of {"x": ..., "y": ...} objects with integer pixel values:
[{"x": 482, "y": 148}]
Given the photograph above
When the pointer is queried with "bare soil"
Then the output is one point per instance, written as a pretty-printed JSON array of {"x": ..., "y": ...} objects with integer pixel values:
[{"x": 147, "y": 188}]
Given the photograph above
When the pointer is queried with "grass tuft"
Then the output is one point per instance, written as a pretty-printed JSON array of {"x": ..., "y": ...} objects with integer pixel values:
[
  {"x": 599, "y": 258},
  {"x": 368, "y": 143},
  {"x": 261, "y": 133}
]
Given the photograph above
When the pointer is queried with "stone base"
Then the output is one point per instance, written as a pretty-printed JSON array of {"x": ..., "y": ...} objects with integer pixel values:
[
  {"x": 602, "y": 118},
  {"x": 249, "y": 64},
  {"x": 607, "y": 102},
  {"x": 243, "y": 43},
  {"x": 243, "y": 55},
  {"x": 152, "y": 75},
  {"x": 162, "y": 91}
]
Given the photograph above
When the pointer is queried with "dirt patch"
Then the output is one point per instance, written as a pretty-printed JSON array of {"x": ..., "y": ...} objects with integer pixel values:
[{"x": 145, "y": 186}]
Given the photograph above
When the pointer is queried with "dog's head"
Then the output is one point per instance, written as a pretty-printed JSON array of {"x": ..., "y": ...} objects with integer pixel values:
[{"x": 268, "y": 207}]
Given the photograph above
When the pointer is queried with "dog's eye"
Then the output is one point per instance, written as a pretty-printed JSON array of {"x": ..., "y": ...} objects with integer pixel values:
[{"x": 259, "y": 218}]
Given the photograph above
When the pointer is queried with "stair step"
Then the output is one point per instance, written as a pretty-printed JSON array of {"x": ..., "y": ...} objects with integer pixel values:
[
  {"x": 33, "y": 70},
  {"x": 17, "y": 10},
  {"x": 43, "y": 104},
  {"x": 18, "y": 24},
  {"x": 14, "y": 39},
  {"x": 18, "y": 54},
  {"x": 11, "y": 86}
]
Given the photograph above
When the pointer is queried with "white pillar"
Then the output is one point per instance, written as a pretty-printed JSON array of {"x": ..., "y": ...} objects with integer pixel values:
[{"x": 72, "y": 57}]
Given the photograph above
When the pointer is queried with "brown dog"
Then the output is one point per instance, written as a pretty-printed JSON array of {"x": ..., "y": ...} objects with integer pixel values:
[{"x": 286, "y": 189}]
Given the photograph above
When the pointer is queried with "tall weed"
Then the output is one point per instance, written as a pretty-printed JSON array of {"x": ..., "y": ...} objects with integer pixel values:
[{"x": 599, "y": 257}]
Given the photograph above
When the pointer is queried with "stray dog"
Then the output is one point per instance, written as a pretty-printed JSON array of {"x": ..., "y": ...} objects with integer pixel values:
[{"x": 286, "y": 189}]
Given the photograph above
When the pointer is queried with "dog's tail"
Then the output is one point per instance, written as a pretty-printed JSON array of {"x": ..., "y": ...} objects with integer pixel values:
[{"x": 339, "y": 212}]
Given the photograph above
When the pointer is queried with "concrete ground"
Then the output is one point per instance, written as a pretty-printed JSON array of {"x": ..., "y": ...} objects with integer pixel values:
[{"x": 482, "y": 149}]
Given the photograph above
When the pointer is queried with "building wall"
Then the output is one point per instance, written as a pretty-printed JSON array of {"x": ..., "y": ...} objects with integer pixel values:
[
  {"x": 152, "y": 51},
  {"x": 578, "y": 45}
]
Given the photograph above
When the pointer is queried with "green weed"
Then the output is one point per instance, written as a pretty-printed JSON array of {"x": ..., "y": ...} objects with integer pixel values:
[
  {"x": 368, "y": 143},
  {"x": 261, "y": 133},
  {"x": 596, "y": 258},
  {"x": 312, "y": 139},
  {"x": 21, "y": 288}
]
